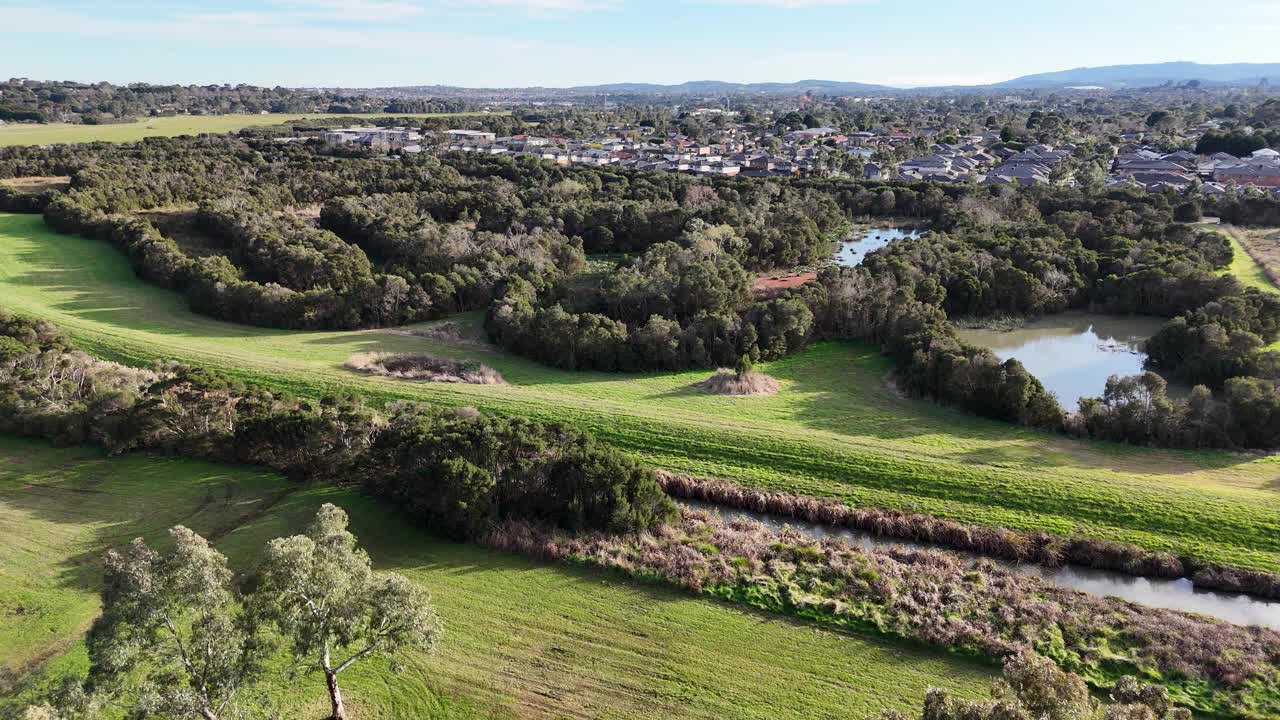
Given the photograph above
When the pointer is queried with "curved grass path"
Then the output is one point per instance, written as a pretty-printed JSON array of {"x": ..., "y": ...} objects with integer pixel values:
[
  {"x": 834, "y": 430},
  {"x": 522, "y": 639}
]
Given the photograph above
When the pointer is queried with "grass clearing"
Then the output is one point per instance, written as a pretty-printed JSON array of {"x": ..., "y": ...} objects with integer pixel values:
[
  {"x": 37, "y": 183},
  {"x": 51, "y": 133},
  {"x": 522, "y": 639},
  {"x": 834, "y": 429},
  {"x": 1257, "y": 256}
]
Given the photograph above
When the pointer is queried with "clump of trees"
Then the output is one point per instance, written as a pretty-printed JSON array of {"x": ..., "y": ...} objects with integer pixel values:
[
  {"x": 1138, "y": 410},
  {"x": 456, "y": 472},
  {"x": 676, "y": 306},
  {"x": 180, "y": 636},
  {"x": 905, "y": 320}
]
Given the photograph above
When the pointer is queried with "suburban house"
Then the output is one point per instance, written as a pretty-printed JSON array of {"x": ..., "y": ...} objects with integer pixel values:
[
  {"x": 372, "y": 137},
  {"x": 470, "y": 137}
]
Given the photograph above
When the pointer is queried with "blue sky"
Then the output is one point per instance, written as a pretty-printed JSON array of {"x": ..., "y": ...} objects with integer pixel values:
[{"x": 495, "y": 43}]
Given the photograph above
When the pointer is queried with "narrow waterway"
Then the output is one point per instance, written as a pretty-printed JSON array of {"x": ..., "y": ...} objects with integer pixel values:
[
  {"x": 1073, "y": 353},
  {"x": 853, "y": 250},
  {"x": 1154, "y": 592}
]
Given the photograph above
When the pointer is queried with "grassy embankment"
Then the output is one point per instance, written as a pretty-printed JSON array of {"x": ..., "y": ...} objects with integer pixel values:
[
  {"x": 1257, "y": 256},
  {"x": 51, "y": 133},
  {"x": 522, "y": 639},
  {"x": 833, "y": 430}
]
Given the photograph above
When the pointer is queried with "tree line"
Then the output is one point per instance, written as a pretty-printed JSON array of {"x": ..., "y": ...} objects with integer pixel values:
[
  {"x": 456, "y": 471},
  {"x": 39, "y": 101}
]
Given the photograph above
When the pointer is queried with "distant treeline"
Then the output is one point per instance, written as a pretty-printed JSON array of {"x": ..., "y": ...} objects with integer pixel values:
[
  {"x": 23, "y": 100},
  {"x": 456, "y": 471}
]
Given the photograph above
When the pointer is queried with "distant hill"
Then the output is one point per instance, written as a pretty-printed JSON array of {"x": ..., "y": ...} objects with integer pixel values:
[
  {"x": 1128, "y": 76},
  {"x": 1111, "y": 77}
]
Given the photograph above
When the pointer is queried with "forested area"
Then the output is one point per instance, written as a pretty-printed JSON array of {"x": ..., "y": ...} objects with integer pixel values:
[
  {"x": 97, "y": 103},
  {"x": 404, "y": 239},
  {"x": 456, "y": 471}
]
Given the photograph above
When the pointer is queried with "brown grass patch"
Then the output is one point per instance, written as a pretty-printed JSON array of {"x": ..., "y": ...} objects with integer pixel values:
[
  {"x": 728, "y": 382},
  {"x": 38, "y": 183},
  {"x": 414, "y": 366},
  {"x": 773, "y": 286},
  {"x": 309, "y": 213}
]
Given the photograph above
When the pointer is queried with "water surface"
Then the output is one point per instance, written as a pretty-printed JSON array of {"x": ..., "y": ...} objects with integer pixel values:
[
  {"x": 1073, "y": 353},
  {"x": 853, "y": 250},
  {"x": 1177, "y": 594}
]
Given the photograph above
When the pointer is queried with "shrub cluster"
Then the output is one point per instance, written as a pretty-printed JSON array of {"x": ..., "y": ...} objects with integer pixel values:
[
  {"x": 904, "y": 319},
  {"x": 1031, "y": 686},
  {"x": 939, "y": 599},
  {"x": 1138, "y": 410},
  {"x": 673, "y": 307},
  {"x": 416, "y": 366},
  {"x": 994, "y": 542},
  {"x": 455, "y": 471}
]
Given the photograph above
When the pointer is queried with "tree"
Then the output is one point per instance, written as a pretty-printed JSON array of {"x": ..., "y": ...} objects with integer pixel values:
[
  {"x": 171, "y": 639},
  {"x": 320, "y": 591}
]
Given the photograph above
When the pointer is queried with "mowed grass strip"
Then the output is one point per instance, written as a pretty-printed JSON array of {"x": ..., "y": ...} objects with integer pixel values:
[
  {"x": 522, "y": 639},
  {"x": 834, "y": 430},
  {"x": 53, "y": 133}
]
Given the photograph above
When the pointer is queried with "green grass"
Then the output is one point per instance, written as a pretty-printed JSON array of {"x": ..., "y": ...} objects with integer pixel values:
[
  {"x": 1244, "y": 266},
  {"x": 834, "y": 429},
  {"x": 47, "y": 134},
  {"x": 1247, "y": 270},
  {"x": 522, "y": 639}
]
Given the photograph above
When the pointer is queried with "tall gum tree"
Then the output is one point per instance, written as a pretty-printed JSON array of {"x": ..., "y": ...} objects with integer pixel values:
[{"x": 320, "y": 591}]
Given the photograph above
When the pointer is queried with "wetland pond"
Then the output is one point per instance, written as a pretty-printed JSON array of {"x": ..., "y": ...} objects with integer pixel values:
[
  {"x": 853, "y": 250},
  {"x": 1177, "y": 594},
  {"x": 1073, "y": 353}
]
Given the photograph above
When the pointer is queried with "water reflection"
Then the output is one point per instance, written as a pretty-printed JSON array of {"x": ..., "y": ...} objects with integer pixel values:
[
  {"x": 1170, "y": 594},
  {"x": 853, "y": 251},
  {"x": 1074, "y": 353}
]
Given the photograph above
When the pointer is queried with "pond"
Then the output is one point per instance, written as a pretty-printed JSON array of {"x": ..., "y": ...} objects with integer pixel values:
[
  {"x": 1073, "y": 353},
  {"x": 853, "y": 250},
  {"x": 1177, "y": 594}
]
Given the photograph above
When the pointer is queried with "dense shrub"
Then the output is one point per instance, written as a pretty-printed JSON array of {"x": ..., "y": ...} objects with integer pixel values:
[
  {"x": 996, "y": 542},
  {"x": 936, "y": 598},
  {"x": 456, "y": 472},
  {"x": 674, "y": 307}
]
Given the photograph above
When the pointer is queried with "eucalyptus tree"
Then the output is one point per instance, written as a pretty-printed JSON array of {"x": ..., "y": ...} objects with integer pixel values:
[
  {"x": 321, "y": 592},
  {"x": 172, "y": 639}
]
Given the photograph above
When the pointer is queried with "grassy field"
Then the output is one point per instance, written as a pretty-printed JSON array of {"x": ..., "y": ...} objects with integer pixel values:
[
  {"x": 1255, "y": 250},
  {"x": 522, "y": 639},
  {"x": 51, "y": 133},
  {"x": 834, "y": 429}
]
